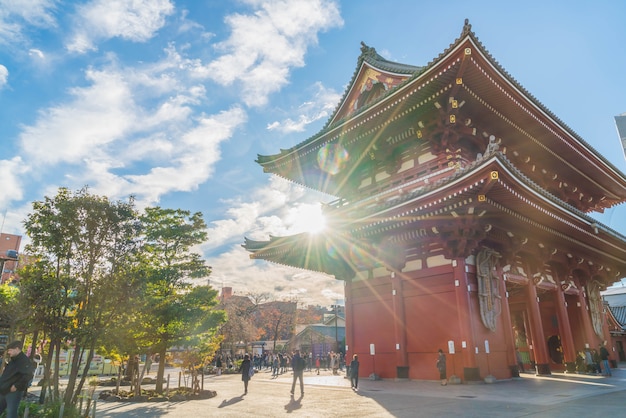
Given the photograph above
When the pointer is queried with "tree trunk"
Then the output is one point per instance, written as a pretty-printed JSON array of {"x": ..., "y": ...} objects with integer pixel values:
[
  {"x": 47, "y": 372},
  {"x": 73, "y": 375},
  {"x": 161, "y": 372},
  {"x": 57, "y": 369},
  {"x": 33, "y": 347},
  {"x": 85, "y": 373}
]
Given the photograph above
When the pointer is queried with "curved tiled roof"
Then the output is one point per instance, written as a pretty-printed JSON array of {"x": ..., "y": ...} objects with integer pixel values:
[
  {"x": 370, "y": 56},
  {"x": 619, "y": 313}
]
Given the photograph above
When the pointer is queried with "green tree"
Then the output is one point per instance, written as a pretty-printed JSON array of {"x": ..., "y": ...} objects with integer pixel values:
[
  {"x": 9, "y": 314},
  {"x": 48, "y": 296},
  {"x": 176, "y": 310},
  {"x": 85, "y": 241}
]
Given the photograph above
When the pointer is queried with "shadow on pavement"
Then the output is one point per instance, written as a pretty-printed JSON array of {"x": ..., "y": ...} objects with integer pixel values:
[
  {"x": 231, "y": 401},
  {"x": 294, "y": 404},
  {"x": 141, "y": 410}
]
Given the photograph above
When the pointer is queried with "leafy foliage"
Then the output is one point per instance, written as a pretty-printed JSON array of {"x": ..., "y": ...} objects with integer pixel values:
[{"x": 100, "y": 275}]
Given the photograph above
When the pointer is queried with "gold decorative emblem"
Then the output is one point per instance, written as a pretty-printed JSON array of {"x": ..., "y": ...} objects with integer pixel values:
[
  {"x": 455, "y": 104},
  {"x": 468, "y": 51},
  {"x": 452, "y": 118},
  {"x": 459, "y": 80},
  {"x": 419, "y": 134},
  {"x": 482, "y": 198},
  {"x": 494, "y": 175}
]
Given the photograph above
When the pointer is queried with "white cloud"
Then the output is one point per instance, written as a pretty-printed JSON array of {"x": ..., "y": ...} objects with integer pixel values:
[
  {"x": 192, "y": 160},
  {"x": 264, "y": 46},
  {"x": 10, "y": 173},
  {"x": 33, "y": 52},
  {"x": 96, "y": 116},
  {"x": 131, "y": 130},
  {"x": 4, "y": 76},
  {"x": 235, "y": 269},
  {"x": 15, "y": 15},
  {"x": 133, "y": 20},
  {"x": 264, "y": 213},
  {"x": 321, "y": 106}
]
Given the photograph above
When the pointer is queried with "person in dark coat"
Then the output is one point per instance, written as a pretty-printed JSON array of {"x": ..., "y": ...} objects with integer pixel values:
[
  {"x": 298, "y": 366},
  {"x": 604, "y": 356},
  {"x": 245, "y": 372},
  {"x": 15, "y": 379},
  {"x": 441, "y": 366},
  {"x": 218, "y": 365},
  {"x": 354, "y": 372}
]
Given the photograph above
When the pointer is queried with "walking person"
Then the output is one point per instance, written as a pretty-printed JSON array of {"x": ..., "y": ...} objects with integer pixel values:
[
  {"x": 604, "y": 356},
  {"x": 441, "y": 366},
  {"x": 596, "y": 360},
  {"x": 218, "y": 365},
  {"x": 589, "y": 363},
  {"x": 297, "y": 364},
  {"x": 520, "y": 361},
  {"x": 354, "y": 372},
  {"x": 246, "y": 370},
  {"x": 16, "y": 377},
  {"x": 275, "y": 365}
]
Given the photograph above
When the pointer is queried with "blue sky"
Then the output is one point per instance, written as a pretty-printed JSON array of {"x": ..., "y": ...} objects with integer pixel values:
[{"x": 171, "y": 101}]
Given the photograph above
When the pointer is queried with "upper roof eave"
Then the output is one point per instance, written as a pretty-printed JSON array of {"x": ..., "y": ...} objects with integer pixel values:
[
  {"x": 467, "y": 32},
  {"x": 370, "y": 56}
]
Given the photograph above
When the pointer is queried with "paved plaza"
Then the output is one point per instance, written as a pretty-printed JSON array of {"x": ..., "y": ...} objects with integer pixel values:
[{"x": 559, "y": 395}]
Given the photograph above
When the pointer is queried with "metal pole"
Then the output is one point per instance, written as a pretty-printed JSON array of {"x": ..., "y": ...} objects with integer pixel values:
[{"x": 336, "y": 332}]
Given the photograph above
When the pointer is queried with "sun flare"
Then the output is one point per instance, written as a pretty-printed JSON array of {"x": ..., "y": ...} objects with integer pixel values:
[{"x": 308, "y": 218}]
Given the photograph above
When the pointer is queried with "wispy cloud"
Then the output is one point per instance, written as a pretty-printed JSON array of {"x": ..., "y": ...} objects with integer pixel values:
[
  {"x": 133, "y": 20},
  {"x": 11, "y": 172},
  {"x": 132, "y": 130},
  {"x": 17, "y": 15},
  {"x": 319, "y": 107},
  {"x": 264, "y": 46},
  {"x": 4, "y": 76},
  {"x": 234, "y": 268}
]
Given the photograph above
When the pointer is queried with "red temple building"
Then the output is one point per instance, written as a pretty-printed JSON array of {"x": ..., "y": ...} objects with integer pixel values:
[{"x": 461, "y": 220}]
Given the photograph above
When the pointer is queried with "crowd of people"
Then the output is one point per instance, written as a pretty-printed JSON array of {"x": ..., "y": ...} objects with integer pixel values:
[
  {"x": 282, "y": 362},
  {"x": 594, "y": 361},
  {"x": 589, "y": 361}
]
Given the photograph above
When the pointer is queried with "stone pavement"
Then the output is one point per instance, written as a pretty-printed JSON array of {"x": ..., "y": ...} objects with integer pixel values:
[{"x": 559, "y": 395}]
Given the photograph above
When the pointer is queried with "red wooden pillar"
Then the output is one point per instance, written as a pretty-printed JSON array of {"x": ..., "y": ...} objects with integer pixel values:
[
  {"x": 466, "y": 318},
  {"x": 349, "y": 319},
  {"x": 399, "y": 325},
  {"x": 565, "y": 329},
  {"x": 540, "y": 347}
]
